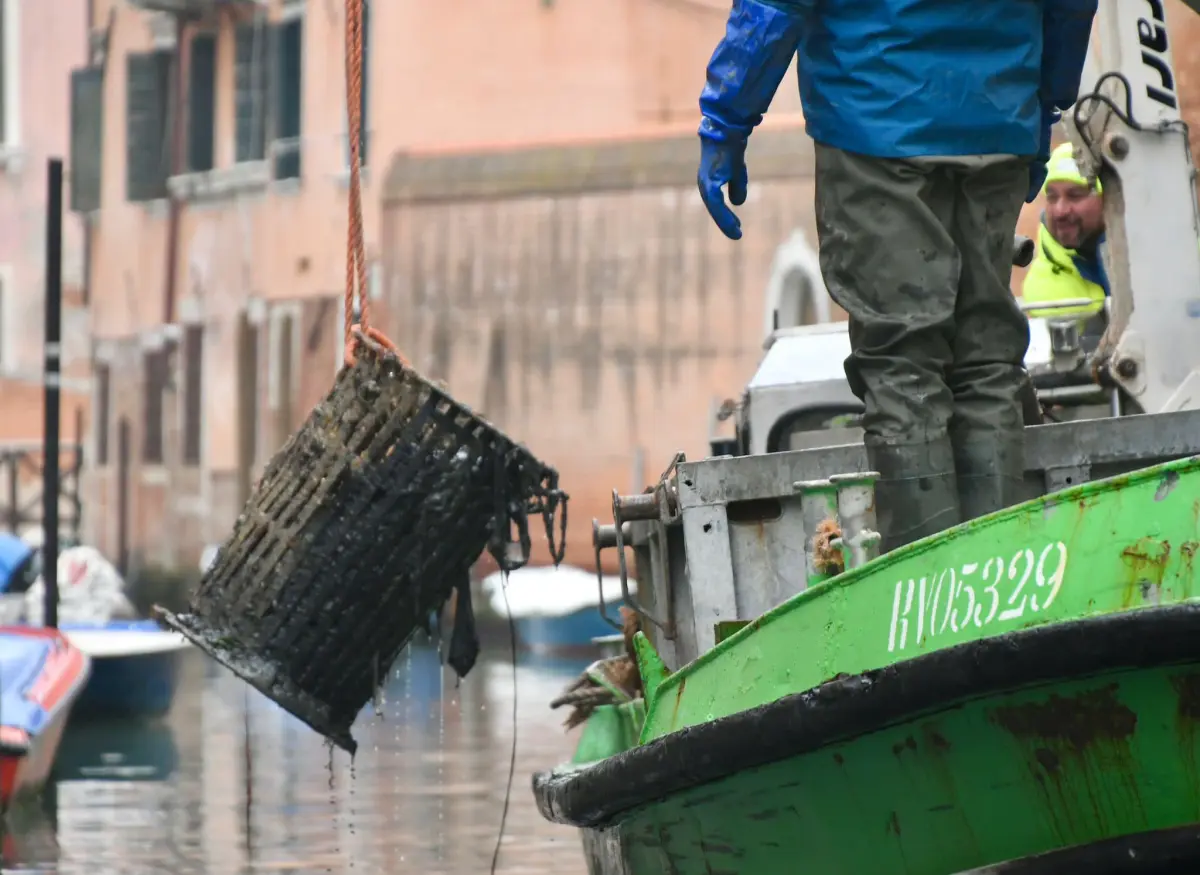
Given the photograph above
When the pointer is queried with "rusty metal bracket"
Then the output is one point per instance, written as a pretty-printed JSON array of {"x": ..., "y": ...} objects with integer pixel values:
[
  {"x": 660, "y": 551},
  {"x": 659, "y": 504},
  {"x": 666, "y": 494},
  {"x": 603, "y": 537},
  {"x": 635, "y": 507}
]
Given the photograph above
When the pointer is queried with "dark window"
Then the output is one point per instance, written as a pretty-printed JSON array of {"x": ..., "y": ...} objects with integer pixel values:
[
  {"x": 147, "y": 110},
  {"x": 87, "y": 137},
  {"x": 202, "y": 89},
  {"x": 247, "y": 404},
  {"x": 286, "y": 411},
  {"x": 251, "y": 51},
  {"x": 155, "y": 381},
  {"x": 103, "y": 378},
  {"x": 193, "y": 381},
  {"x": 289, "y": 92},
  {"x": 193, "y": 366}
]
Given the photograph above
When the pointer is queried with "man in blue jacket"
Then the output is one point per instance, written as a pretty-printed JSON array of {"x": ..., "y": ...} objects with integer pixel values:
[{"x": 931, "y": 121}]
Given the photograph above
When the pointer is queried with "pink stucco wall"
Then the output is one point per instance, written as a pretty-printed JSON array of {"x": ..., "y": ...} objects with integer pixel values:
[{"x": 49, "y": 39}]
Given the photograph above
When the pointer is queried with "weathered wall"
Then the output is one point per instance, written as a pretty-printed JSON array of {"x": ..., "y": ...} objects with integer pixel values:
[
  {"x": 36, "y": 124},
  {"x": 507, "y": 73},
  {"x": 41, "y": 117},
  {"x": 1185, "y": 35},
  {"x": 594, "y": 320},
  {"x": 582, "y": 298},
  {"x": 21, "y": 412}
]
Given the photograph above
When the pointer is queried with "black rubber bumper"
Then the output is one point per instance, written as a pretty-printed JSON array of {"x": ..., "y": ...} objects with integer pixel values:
[
  {"x": 1160, "y": 852},
  {"x": 846, "y": 707}
]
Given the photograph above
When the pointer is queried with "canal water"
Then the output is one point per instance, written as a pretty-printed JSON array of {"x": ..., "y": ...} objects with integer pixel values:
[{"x": 229, "y": 784}]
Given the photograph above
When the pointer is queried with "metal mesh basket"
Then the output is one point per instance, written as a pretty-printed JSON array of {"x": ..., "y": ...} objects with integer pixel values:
[{"x": 359, "y": 529}]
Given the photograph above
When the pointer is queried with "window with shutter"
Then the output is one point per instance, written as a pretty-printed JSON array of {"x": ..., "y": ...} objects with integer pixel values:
[
  {"x": 250, "y": 91},
  {"x": 284, "y": 377},
  {"x": 193, "y": 365},
  {"x": 288, "y": 90},
  {"x": 103, "y": 378},
  {"x": 87, "y": 138},
  {"x": 147, "y": 109},
  {"x": 155, "y": 388},
  {"x": 202, "y": 87}
]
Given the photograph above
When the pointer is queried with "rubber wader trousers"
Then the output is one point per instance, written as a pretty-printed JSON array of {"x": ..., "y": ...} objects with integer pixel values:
[{"x": 919, "y": 254}]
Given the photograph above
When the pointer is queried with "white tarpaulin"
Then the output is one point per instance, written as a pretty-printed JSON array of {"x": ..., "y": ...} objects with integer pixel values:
[
  {"x": 90, "y": 590},
  {"x": 546, "y": 591}
]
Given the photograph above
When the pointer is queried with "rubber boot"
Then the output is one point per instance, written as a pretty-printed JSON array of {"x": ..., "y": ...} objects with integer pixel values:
[
  {"x": 916, "y": 494},
  {"x": 991, "y": 470}
]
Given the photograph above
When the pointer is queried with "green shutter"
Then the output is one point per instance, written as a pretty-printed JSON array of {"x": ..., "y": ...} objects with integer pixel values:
[
  {"x": 289, "y": 64},
  {"x": 147, "y": 86},
  {"x": 202, "y": 102},
  {"x": 87, "y": 137}
]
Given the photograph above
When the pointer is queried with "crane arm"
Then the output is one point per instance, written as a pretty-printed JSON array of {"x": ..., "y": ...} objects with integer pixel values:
[{"x": 1128, "y": 132}]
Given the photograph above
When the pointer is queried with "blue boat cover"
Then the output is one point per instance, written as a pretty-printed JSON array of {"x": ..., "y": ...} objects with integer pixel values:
[
  {"x": 14, "y": 553},
  {"x": 114, "y": 626},
  {"x": 22, "y": 658}
]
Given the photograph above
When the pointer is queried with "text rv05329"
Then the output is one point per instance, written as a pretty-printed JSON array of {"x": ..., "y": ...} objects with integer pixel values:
[{"x": 976, "y": 595}]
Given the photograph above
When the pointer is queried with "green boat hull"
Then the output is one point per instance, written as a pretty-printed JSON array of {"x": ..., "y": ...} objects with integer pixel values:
[
  {"x": 998, "y": 750},
  {"x": 1018, "y": 688}
]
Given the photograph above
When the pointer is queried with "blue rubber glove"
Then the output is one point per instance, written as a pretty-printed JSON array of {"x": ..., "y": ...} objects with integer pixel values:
[
  {"x": 722, "y": 162},
  {"x": 1038, "y": 169},
  {"x": 743, "y": 75}
]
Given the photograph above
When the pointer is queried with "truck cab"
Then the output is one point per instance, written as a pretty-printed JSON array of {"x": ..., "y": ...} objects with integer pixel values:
[{"x": 799, "y": 398}]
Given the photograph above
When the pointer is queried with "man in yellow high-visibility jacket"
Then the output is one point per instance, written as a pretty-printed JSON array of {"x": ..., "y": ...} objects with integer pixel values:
[{"x": 1068, "y": 263}]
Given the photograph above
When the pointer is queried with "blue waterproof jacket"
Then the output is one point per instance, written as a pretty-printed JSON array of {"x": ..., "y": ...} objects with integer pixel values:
[{"x": 904, "y": 78}]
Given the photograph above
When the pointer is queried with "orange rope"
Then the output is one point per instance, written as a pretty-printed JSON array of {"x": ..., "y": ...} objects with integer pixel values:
[{"x": 356, "y": 261}]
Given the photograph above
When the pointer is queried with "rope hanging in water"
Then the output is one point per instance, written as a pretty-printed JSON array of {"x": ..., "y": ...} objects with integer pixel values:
[{"x": 356, "y": 260}]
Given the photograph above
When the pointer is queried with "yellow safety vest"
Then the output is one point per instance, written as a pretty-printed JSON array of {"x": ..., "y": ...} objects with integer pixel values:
[{"x": 1053, "y": 276}]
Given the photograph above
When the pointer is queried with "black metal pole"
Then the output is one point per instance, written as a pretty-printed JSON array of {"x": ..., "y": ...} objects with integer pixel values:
[
  {"x": 77, "y": 479},
  {"x": 53, "y": 379},
  {"x": 12, "y": 461}
]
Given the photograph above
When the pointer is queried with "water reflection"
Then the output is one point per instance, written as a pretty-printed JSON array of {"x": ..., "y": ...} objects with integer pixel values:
[
  {"x": 117, "y": 750},
  {"x": 229, "y": 783}
]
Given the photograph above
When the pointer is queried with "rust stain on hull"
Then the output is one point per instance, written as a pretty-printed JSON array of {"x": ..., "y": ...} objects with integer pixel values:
[
  {"x": 1077, "y": 750},
  {"x": 1146, "y": 563},
  {"x": 1187, "y": 719}
]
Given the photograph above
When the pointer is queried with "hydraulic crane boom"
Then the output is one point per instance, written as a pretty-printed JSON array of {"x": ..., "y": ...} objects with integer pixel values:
[{"x": 1128, "y": 131}]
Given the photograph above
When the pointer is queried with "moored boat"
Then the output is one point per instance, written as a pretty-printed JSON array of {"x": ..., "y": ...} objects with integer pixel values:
[
  {"x": 135, "y": 667},
  {"x": 135, "y": 662},
  {"x": 41, "y": 677},
  {"x": 557, "y": 611}
]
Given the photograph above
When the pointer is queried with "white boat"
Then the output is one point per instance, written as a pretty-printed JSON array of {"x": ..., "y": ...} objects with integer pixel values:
[{"x": 557, "y": 610}]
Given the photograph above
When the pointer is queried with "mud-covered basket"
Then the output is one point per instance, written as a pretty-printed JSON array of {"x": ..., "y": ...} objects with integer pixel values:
[{"x": 359, "y": 529}]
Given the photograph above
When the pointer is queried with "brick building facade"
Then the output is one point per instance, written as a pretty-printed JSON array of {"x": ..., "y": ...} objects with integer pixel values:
[
  {"x": 532, "y": 227},
  {"x": 34, "y": 126}
]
